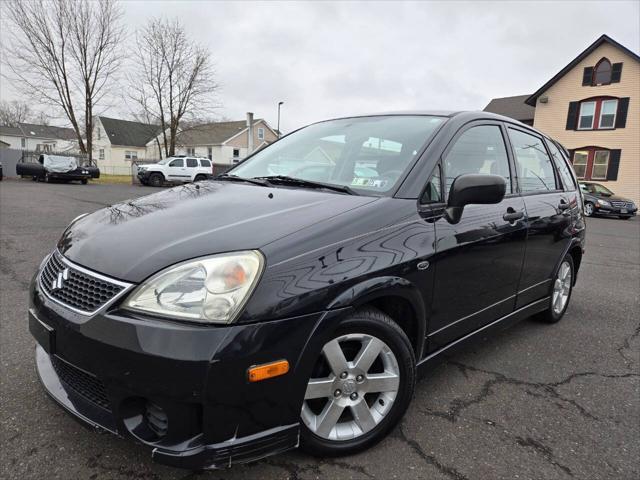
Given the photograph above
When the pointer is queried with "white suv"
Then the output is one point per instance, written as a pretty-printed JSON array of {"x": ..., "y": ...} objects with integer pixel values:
[{"x": 177, "y": 169}]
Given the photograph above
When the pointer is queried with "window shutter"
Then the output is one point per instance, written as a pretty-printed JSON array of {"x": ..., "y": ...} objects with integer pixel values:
[
  {"x": 572, "y": 116},
  {"x": 614, "y": 164},
  {"x": 587, "y": 76},
  {"x": 621, "y": 114},
  {"x": 571, "y": 150},
  {"x": 616, "y": 72}
]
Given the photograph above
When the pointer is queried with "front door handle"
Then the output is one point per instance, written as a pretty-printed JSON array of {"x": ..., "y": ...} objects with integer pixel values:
[{"x": 512, "y": 215}]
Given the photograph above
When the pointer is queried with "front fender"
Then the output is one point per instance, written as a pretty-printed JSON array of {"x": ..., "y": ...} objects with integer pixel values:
[{"x": 389, "y": 286}]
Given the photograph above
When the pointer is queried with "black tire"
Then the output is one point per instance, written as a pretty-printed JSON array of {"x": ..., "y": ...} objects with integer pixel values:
[
  {"x": 199, "y": 178},
  {"x": 156, "y": 179},
  {"x": 625, "y": 217},
  {"x": 550, "y": 315},
  {"x": 589, "y": 209},
  {"x": 370, "y": 321},
  {"x": 84, "y": 181}
]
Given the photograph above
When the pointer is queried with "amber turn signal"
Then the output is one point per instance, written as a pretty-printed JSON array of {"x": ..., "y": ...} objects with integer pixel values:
[{"x": 268, "y": 370}]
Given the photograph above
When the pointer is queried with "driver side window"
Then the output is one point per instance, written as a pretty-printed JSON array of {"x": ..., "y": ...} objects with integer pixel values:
[
  {"x": 480, "y": 149},
  {"x": 177, "y": 163}
]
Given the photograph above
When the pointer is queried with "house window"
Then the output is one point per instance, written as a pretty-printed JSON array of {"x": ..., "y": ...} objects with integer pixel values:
[
  {"x": 210, "y": 153},
  {"x": 587, "y": 113},
  {"x": 261, "y": 134},
  {"x": 602, "y": 72},
  {"x": 101, "y": 154},
  {"x": 580, "y": 160},
  {"x": 236, "y": 153},
  {"x": 608, "y": 114},
  {"x": 191, "y": 150},
  {"x": 131, "y": 155},
  {"x": 23, "y": 142},
  {"x": 600, "y": 165},
  {"x": 98, "y": 133}
]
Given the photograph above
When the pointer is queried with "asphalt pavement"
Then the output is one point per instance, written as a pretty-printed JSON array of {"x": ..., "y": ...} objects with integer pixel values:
[{"x": 536, "y": 401}]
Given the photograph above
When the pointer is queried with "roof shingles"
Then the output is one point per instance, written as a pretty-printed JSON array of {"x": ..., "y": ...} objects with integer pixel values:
[
  {"x": 512, "y": 107},
  {"x": 127, "y": 133}
]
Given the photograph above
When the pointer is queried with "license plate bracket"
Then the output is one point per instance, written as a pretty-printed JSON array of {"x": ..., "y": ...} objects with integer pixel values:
[
  {"x": 624, "y": 210},
  {"x": 43, "y": 333}
]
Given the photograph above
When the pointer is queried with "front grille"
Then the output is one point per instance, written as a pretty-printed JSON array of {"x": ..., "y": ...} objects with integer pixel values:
[
  {"x": 75, "y": 288},
  {"x": 81, "y": 382},
  {"x": 620, "y": 204}
]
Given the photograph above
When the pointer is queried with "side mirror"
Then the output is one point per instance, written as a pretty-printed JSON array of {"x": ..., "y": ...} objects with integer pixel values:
[{"x": 473, "y": 188}]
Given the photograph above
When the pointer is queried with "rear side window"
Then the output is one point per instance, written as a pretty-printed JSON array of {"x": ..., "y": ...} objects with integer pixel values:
[
  {"x": 480, "y": 149},
  {"x": 561, "y": 165},
  {"x": 192, "y": 162},
  {"x": 205, "y": 163},
  {"x": 178, "y": 162},
  {"x": 535, "y": 170}
]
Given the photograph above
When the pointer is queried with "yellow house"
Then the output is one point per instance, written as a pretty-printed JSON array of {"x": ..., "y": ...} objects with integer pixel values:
[{"x": 592, "y": 106}]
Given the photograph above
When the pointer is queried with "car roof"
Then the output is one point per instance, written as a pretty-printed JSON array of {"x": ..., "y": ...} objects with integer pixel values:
[{"x": 462, "y": 115}]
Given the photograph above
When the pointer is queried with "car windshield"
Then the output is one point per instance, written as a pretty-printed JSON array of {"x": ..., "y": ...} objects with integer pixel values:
[
  {"x": 368, "y": 154},
  {"x": 596, "y": 188}
]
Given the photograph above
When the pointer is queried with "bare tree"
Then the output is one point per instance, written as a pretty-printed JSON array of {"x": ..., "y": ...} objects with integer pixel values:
[
  {"x": 63, "y": 53},
  {"x": 14, "y": 112},
  {"x": 173, "y": 80}
]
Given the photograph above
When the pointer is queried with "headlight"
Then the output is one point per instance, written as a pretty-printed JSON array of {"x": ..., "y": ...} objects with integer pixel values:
[
  {"x": 208, "y": 290},
  {"x": 604, "y": 203}
]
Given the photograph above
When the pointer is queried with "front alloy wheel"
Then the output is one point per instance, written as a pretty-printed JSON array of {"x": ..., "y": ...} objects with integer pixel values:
[
  {"x": 360, "y": 385},
  {"x": 588, "y": 209},
  {"x": 357, "y": 394}
]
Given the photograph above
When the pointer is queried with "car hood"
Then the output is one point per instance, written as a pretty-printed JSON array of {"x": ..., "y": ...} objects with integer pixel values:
[
  {"x": 615, "y": 198},
  {"x": 136, "y": 238}
]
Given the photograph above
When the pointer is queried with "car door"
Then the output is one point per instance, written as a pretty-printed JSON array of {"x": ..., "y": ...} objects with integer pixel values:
[
  {"x": 176, "y": 171},
  {"x": 549, "y": 209},
  {"x": 191, "y": 169},
  {"x": 479, "y": 259}
]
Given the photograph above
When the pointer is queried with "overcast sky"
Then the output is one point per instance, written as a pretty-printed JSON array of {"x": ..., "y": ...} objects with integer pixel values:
[{"x": 330, "y": 59}]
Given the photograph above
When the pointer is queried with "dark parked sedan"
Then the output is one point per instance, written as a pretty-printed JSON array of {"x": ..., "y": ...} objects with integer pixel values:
[
  {"x": 599, "y": 200},
  {"x": 255, "y": 312}
]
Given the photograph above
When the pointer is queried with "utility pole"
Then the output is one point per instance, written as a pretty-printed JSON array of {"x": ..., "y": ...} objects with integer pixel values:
[{"x": 278, "y": 128}]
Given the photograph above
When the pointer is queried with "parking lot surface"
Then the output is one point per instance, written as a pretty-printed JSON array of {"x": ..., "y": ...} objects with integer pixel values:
[{"x": 534, "y": 402}]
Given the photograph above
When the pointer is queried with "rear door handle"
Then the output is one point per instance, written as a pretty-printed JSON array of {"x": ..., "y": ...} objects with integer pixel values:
[{"x": 512, "y": 215}]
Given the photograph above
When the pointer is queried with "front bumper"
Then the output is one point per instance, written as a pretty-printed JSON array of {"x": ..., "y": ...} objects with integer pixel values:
[
  {"x": 143, "y": 175},
  {"x": 616, "y": 211},
  {"x": 108, "y": 368}
]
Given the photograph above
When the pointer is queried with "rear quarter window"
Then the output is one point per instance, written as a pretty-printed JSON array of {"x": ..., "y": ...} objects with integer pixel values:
[{"x": 563, "y": 168}]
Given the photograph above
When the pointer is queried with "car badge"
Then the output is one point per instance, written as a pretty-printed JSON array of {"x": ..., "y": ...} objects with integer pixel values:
[{"x": 58, "y": 282}]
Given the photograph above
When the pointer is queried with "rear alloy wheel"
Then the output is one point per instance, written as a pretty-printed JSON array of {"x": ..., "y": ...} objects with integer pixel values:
[
  {"x": 360, "y": 386},
  {"x": 560, "y": 291},
  {"x": 156, "y": 179},
  {"x": 588, "y": 209}
]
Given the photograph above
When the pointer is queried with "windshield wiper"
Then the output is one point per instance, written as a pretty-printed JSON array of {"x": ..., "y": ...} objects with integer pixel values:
[
  {"x": 235, "y": 178},
  {"x": 285, "y": 180}
]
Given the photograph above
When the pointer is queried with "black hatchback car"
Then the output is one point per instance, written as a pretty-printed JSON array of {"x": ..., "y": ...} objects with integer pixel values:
[
  {"x": 290, "y": 301},
  {"x": 599, "y": 200}
]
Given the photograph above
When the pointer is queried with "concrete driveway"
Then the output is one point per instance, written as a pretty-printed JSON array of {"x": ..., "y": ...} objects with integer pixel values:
[{"x": 535, "y": 402}]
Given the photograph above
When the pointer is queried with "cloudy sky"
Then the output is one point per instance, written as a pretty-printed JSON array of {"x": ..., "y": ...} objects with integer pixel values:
[{"x": 326, "y": 59}]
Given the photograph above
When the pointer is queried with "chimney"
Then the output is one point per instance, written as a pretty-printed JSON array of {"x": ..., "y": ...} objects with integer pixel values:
[{"x": 250, "y": 125}]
